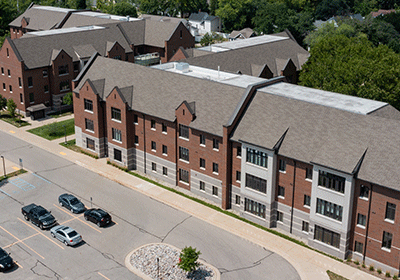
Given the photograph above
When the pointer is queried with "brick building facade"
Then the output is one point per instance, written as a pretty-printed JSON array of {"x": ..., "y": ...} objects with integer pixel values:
[{"x": 307, "y": 164}]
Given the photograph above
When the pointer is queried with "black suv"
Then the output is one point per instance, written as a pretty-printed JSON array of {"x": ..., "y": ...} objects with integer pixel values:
[
  {"x": 97, "y": 216},
  {"x": 6, "y": 262}
]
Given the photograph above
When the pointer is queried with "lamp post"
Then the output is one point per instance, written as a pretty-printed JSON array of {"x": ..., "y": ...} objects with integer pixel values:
[
  {"x": 65, "y": 134},
  {"x": 4, "y": 166}
]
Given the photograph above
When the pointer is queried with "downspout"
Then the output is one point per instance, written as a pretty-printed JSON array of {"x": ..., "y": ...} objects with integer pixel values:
[
  {"x": 176, "y": 153},
  {"x": 294, "y": 183},
  {"x": 144, "y": 143},
  {"x": 367, "y": 227}
]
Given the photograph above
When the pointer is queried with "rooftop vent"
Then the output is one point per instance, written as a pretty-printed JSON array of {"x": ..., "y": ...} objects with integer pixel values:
[{"x": 182, "y": 66}]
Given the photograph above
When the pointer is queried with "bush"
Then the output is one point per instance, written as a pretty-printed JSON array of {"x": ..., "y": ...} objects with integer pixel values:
[
  {"x": 395, "y": 277},
  {"x": 387, "y": 274},
  {"x": 371, "y": 268},
  {"x": 188, "y": 259},
  {"x": 363, "y": 265},
  {"x": 357, "y": 262},
  {"x": 379, "y": 271},
  {"x": 11, "y": 107}
]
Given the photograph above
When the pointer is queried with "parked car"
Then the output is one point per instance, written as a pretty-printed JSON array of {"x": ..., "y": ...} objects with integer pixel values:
[
  {"x": 6, "y": 262},
  {"x": 38, "y": 215},
  {"x": 66, "y": 235},
  {"x": 71, "y": 203},
  {"x": 97, "y": 216}
]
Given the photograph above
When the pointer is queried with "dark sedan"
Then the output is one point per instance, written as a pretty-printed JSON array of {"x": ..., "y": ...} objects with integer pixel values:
[
  {"x": 6, "y": 262},
  {"x": 71, "y": 203},
  {"x": 98, "y": 216}
]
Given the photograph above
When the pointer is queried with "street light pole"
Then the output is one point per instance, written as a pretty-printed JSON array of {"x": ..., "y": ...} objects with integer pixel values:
[{"x": 4, "y": 166}]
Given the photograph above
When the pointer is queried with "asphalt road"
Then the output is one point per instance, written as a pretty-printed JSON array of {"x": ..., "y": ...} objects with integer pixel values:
[{"x": 138, "y": 220}]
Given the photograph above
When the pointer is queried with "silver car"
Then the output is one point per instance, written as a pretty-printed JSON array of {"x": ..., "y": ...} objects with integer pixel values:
[{"x": 66, "y": 235}]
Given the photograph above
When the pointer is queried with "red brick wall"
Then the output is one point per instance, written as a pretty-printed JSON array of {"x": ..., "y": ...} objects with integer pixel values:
[
  {"x": 39, "y": 81},
  {"x": 176, "y": 41},
  {"x": 236, "y": 163},
  {"x": 16, "y": 32},
  {"x": 178, "y": 56},
  {"x": 62, "y": 59},
  {"x": 115, "y": 100},
  {"x": 117, "y": 50}
]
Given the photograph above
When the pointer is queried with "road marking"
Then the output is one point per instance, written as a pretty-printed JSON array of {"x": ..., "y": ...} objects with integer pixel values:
[
  {"x": 62, "y": 153},
  {"x": 75, "y": 218},
  {"x": 5, "y": 193},
  {"x": 12, "y": 131},
  {"x": 15, "y": 168},
  {"x": 41, "y": 233},
  {"x": 103, "y": 276},
  {"x": 12, "y": 244},
  {"x": 18, "y": 264},
  {"x": 22, "y": 242},
  {"x": 22, "y": 184},
  {"x": 34, "y": 174}
]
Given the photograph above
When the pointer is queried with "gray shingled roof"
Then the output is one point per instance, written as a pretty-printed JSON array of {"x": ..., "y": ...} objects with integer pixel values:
[
  {"x": 41, "y": 17},
  {"x": 36, "y": 51},
  {"x": 158, "y": 93},
  {"x": 325, "y": 136},
  {"x": 201, "y": 16},
  {"x": 242, "y": 59},
  {"x": 245, "y": 32},
  {"x": 77, "y": 19}
]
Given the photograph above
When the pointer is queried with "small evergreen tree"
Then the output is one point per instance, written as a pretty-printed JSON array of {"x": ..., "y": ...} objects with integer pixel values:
[
  {"x": 11, "y": 107},
  {"x": 3, "y": 102},
  {"x": 188, "y": 259}
]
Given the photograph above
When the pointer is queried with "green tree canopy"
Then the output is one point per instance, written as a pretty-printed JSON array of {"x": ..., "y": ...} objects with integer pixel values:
[
  {"x": 329, "y": 8},
  {"x": 11, "y": 107},
  {"x": 8, "y": 13},
  {"x": 188, "y": 259},
  {"x": 3, "y": 102},
  {"x": 235, "y": 14},
  {"x": 355, "y": 67}
]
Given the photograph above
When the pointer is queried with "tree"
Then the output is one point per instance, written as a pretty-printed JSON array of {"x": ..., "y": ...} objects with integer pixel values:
[
  {"x": 209, "y": 39},
  {"x": 3, "y": 102},
  {"x": 188, "y": 259},
  {"x": 8, "y": 13},
  {"x": 353, "y": 66},
  {"x": 124, "y": 8},
  {"x": 235, "y": 14},
  {"x": 329, "y": 8},
  {"x": 11, "y": 107},
  {"x": 81, "y": 4},
  {"x": 68, "y": 99}
]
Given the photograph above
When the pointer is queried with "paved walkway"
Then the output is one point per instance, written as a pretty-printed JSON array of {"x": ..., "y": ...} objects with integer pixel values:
[{"x": 309, "y": 264}]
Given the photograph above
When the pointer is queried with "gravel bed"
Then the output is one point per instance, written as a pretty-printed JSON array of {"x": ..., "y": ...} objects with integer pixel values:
[{"x": 145, "y": 259}]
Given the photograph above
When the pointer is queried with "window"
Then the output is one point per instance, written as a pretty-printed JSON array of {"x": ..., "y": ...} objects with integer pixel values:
[
  {"x": 257, "y": 157},
  {"x": 279, "y": 216},
  {"x": 76, "y": 67},
  {"x": 215, "y": 144},
  {"x": 63, "y": 69},
  {"x": 361, "y": 220},
  {"x": 136, "y": 140},
  {"x": 90, "y": 144},
  {"x": 238, "y": 176},
  {"x": 237, "y": 199},
  {"x": 281, "y": 191},
  {"x": 305, "y": 226},
  {"x": 21, "y": 98},
  {"x": 31, "y": 97},
  {"x": 202, "y": 186},
  {"x": 358, "y": 247},
  {"x": 8, "y": 53},
  {"x": 164, "y": 128},
  {"x": 165, "y": 171},
  {"x": 118, "y": 57},
  {"x": 254, "y": 207},
  {"x": 183, "y": 131},
  {"x": 202, "y": 140},
  {"x": 117, "y": 155},
  {"x": 329, "y": 209},
  {"x": 238, "y": 151},
  {"x": 4, "y": 86},
  {"x": 45, "y": 73},
  {"x": 215, "y": 191},
  {"x": 10, "y": 88},
  {"x": 135, "y": 119},
  {"x": 390, "y": 211},
  {"x": 89, "y": 125},
  {"x": 153, "y": 146},
  {"x": 9, "y": 72},
  {"x": 331, "y": 181},
  {"x": 183, "y": 153},
  {"x": 153, "y": 124},
  {"x": 30, "y": 82},
  {"x": 2, "y": 70},
  {"x": 387, "y": 240},
  {"x": 364, "y": 191},
  {"x": 88, "y": 105},
  {"x": 64, "y": 85},
  {"x": 282, "y": 165},
  {"x": 256, "y": 183},
  {"x": 164, "y": 149},
  {"x": 153, "y": 166},
  {"x": 202, "y": 163},
  {"x": 215, "y": 167},
  {"x": 327, "y": 236},
  {"x": 183, "y": 175},
  {"x": 19, "y": 82},
  {"x": 115, "y": 114},
  {"x": 116, "y": 135},
  {"x": 307, "y": 200},
  {"x": 46, "y": 88},
  {"x": 309, "y": 173}
]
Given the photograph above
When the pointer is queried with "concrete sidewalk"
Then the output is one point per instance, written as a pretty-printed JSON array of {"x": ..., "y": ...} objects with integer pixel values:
[{"x": 309, "y": 264}]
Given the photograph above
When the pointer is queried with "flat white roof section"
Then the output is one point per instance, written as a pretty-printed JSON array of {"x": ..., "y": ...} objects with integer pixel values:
[
  {"x": 238, "y": 44},
  {"x": 65, "y": 30},
  {"x": 54, "y": 9},
  {"x": 321, "y": 97},
  {"x": 106, "y": 16}
]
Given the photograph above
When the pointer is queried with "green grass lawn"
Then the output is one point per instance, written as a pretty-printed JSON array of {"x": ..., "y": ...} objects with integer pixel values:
[
  {"x": 5, "y": 116},
  {"x": 334, "y": 276},
  {"x": 55, "y": 130}
]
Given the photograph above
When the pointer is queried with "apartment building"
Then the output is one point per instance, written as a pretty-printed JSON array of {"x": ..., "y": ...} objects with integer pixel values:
[
  {"x": 38, "y": 68},
  {"x": 316, "y": 164}
]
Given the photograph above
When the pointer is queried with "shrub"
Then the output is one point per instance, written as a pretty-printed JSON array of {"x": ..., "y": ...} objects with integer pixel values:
[
  {"x": 188, "y": 259},
  {"x": 363, "y": 265},
  {"x": 395, "y": 277},
  {"x": 371, "y": 268},
  {"x": 379, "y": 271},
  {"x": 11, "y": 107},
  {"x": 348, "y": 260},
  {"x": 357, "y": 262},
  {"x": 387, "y": 274}
]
